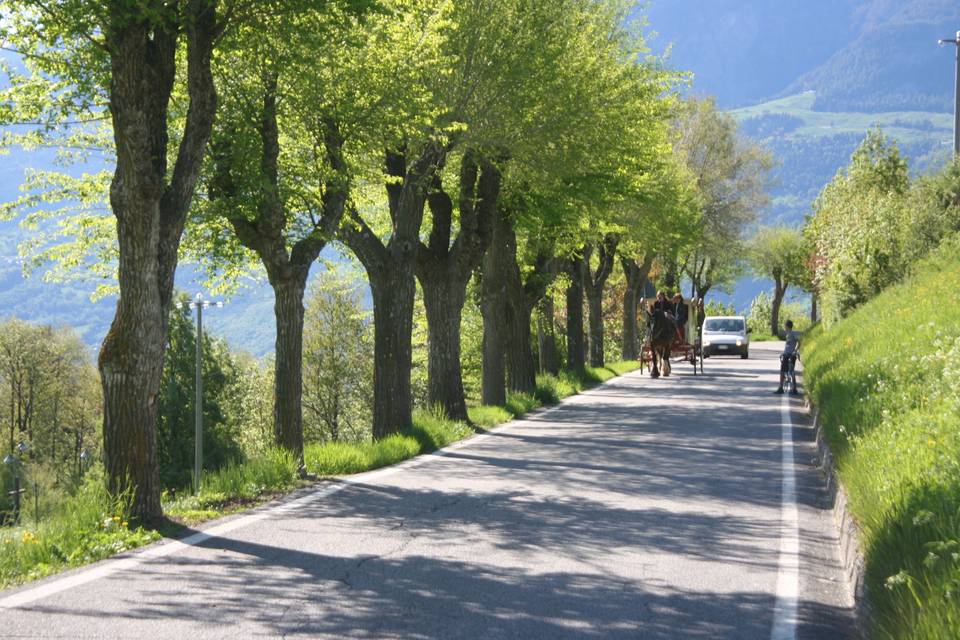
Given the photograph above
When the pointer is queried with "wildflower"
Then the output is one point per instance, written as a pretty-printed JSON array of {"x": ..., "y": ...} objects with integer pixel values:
[
  {"x": 895, "y": 581},
  {"x": 124, "y": 523},
  {"x": 28, "y": 537}
]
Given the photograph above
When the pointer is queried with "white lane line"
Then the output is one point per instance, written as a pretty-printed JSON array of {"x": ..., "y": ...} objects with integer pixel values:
[
  {"x": 111, "y": 566},
  {"x": 788, "y": 577}
]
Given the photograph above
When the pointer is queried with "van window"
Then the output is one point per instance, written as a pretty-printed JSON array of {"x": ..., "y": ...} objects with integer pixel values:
[{"x": 723, "y": 325}]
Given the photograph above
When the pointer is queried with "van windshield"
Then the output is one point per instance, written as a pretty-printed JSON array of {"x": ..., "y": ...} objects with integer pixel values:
[{"x": 725, "y": 325}]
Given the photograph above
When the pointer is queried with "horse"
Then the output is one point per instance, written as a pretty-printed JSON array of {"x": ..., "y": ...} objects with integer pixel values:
[{"x": 661, "y": 330}]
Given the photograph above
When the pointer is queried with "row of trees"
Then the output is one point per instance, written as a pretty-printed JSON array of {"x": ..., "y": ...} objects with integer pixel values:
[
  {"x": 506, "y": 140},
  {"x": 872, "y": 222}
]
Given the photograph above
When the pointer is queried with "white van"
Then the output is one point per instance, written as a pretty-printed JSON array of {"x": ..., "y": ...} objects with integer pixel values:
[{"x": 726, "y": 336}]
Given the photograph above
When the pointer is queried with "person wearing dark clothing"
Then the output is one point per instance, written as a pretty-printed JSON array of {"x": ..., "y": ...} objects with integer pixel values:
[
  {"x": 664, "y": 305},
  {"x": 680, "y": 314}
]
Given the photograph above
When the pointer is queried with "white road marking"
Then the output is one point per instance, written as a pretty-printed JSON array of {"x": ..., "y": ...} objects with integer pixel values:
[{"x": 788, "y": 577}]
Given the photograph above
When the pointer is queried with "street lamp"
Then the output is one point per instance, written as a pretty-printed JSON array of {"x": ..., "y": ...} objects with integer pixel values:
[
  {"x": 956, "y": 96},
  {"x": 199, "y": 304}
]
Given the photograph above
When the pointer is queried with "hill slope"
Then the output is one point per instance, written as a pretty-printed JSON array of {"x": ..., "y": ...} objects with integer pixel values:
[{"x": 885, "y": 381}]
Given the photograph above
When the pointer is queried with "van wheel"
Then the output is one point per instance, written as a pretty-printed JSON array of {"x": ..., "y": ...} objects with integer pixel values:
[{"x": 744, "y": 355}]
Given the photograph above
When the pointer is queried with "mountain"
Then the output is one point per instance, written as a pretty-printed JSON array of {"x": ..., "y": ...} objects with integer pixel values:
[
  {"x": 744, "y": 51},
  {"x": 872, "y": 55},
  {"x": 893, "y": 63}
]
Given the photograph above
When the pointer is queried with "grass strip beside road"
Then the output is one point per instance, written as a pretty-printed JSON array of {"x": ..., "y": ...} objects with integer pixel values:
[
  {"x": 74, "y": 530},
  {"x": 886, "y": 382}
]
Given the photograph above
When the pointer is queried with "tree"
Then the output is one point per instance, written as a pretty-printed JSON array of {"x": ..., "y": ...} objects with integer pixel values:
[
  {"x": 49, "y": 395},
  {"x": 731, "y": 175},
  {"x": 856, "y": 226},
  {"x": 126, "y": 57},
  {"x": 337, "y": 361},
  {"x": 779, "y": 253}
]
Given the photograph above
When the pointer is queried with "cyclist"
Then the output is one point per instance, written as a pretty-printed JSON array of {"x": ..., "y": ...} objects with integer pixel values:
[{"x": 788, "y": 359}]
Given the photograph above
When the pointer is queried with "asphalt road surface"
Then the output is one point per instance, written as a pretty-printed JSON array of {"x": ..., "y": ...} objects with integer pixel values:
[{"x": 672, "y": 508}]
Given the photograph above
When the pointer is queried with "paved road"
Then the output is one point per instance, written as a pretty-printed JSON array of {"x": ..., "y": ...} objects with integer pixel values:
[{"x": 642, "y": 509}]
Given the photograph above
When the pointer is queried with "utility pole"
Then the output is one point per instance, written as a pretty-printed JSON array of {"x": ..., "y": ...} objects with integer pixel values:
[
  {"x": 956, "y": 97},
  {"x": 199, "y": 304}
]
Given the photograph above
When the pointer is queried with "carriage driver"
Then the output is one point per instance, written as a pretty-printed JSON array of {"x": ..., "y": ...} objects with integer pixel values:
[
  {"x": 788, "y": 359},
  {"x": 664, "y": 305}
]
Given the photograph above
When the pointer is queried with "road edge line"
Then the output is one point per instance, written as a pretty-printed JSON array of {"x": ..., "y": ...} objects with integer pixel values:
[{"x": 788, "y": 574}]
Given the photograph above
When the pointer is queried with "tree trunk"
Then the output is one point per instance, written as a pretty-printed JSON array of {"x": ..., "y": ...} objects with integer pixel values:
[
  {"x": 813, "y": 307},
  {"x": 593, "y": 284},
  {"x": 546, "y": 338},
  {"x": 575, "y": 354},
  {"x": 630, "y": 349},
  {"x": 288, "y": 368},
  {"x": 521, "y": 367},
  {"x": 390, "y": 270},
  {"x": 150, "y": 213},
  {"x": 444, "y": 302},
  {"x": 636, "y": 276},
  {"x": 393, "y": 292},
  {"x": 444, "y": 269},
  {"x": 493, "y": 308},
  {"x": 779, "y": 291},
  {"x": 595, "y": 322}
]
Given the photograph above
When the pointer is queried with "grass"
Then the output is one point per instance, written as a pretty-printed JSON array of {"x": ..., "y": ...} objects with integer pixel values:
[
  {"x": 89, "y": 525},
  {"x": 82, "y": 528},
  {"x": 824, "y": 123},
  {"x": 887, "y": 382},
  {"x": 431, "y": 431}
]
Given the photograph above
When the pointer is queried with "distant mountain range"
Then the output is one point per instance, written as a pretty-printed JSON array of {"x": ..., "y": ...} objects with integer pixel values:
[{"x": 866, "y": 55}]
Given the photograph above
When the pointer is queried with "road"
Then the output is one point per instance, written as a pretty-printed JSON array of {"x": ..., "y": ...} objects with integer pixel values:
[{"x": 641, "y": 509}]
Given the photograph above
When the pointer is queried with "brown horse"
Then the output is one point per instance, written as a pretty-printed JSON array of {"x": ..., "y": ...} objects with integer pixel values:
[{"x": 661, "y": 330}]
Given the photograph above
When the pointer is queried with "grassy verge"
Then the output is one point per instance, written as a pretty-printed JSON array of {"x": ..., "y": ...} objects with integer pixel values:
[
  {"x": 84, "y": 528},
  {"x": 431, "y": 430},
  {"x": 90, "y": 526},
  {"x": 886, "y": 382}
]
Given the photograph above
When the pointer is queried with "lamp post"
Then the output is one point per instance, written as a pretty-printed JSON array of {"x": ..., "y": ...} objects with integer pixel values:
[
  {"x": 199, "y": 304},
  {"x": 956, "y": 96}
]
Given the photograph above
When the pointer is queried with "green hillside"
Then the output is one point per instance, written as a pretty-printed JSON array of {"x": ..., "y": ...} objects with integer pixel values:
[
  {"x": 810, "y": 146},
  {"x": 885, "y": 379},
  {"x": 906, "y": 126}
]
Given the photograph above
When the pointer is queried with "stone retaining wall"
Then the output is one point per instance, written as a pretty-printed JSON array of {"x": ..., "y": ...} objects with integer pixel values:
[{"x": 852, "y": 560}]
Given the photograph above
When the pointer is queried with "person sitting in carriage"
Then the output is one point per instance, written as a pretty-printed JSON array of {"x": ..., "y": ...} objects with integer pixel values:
[{"x": 680, "y": 315}]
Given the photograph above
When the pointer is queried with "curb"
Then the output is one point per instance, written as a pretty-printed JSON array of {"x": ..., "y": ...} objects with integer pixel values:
[{"x": 851, "y": 559}]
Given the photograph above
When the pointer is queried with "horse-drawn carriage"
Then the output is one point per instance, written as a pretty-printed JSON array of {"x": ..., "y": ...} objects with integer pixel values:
[{"x": 665, "y": 340}]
